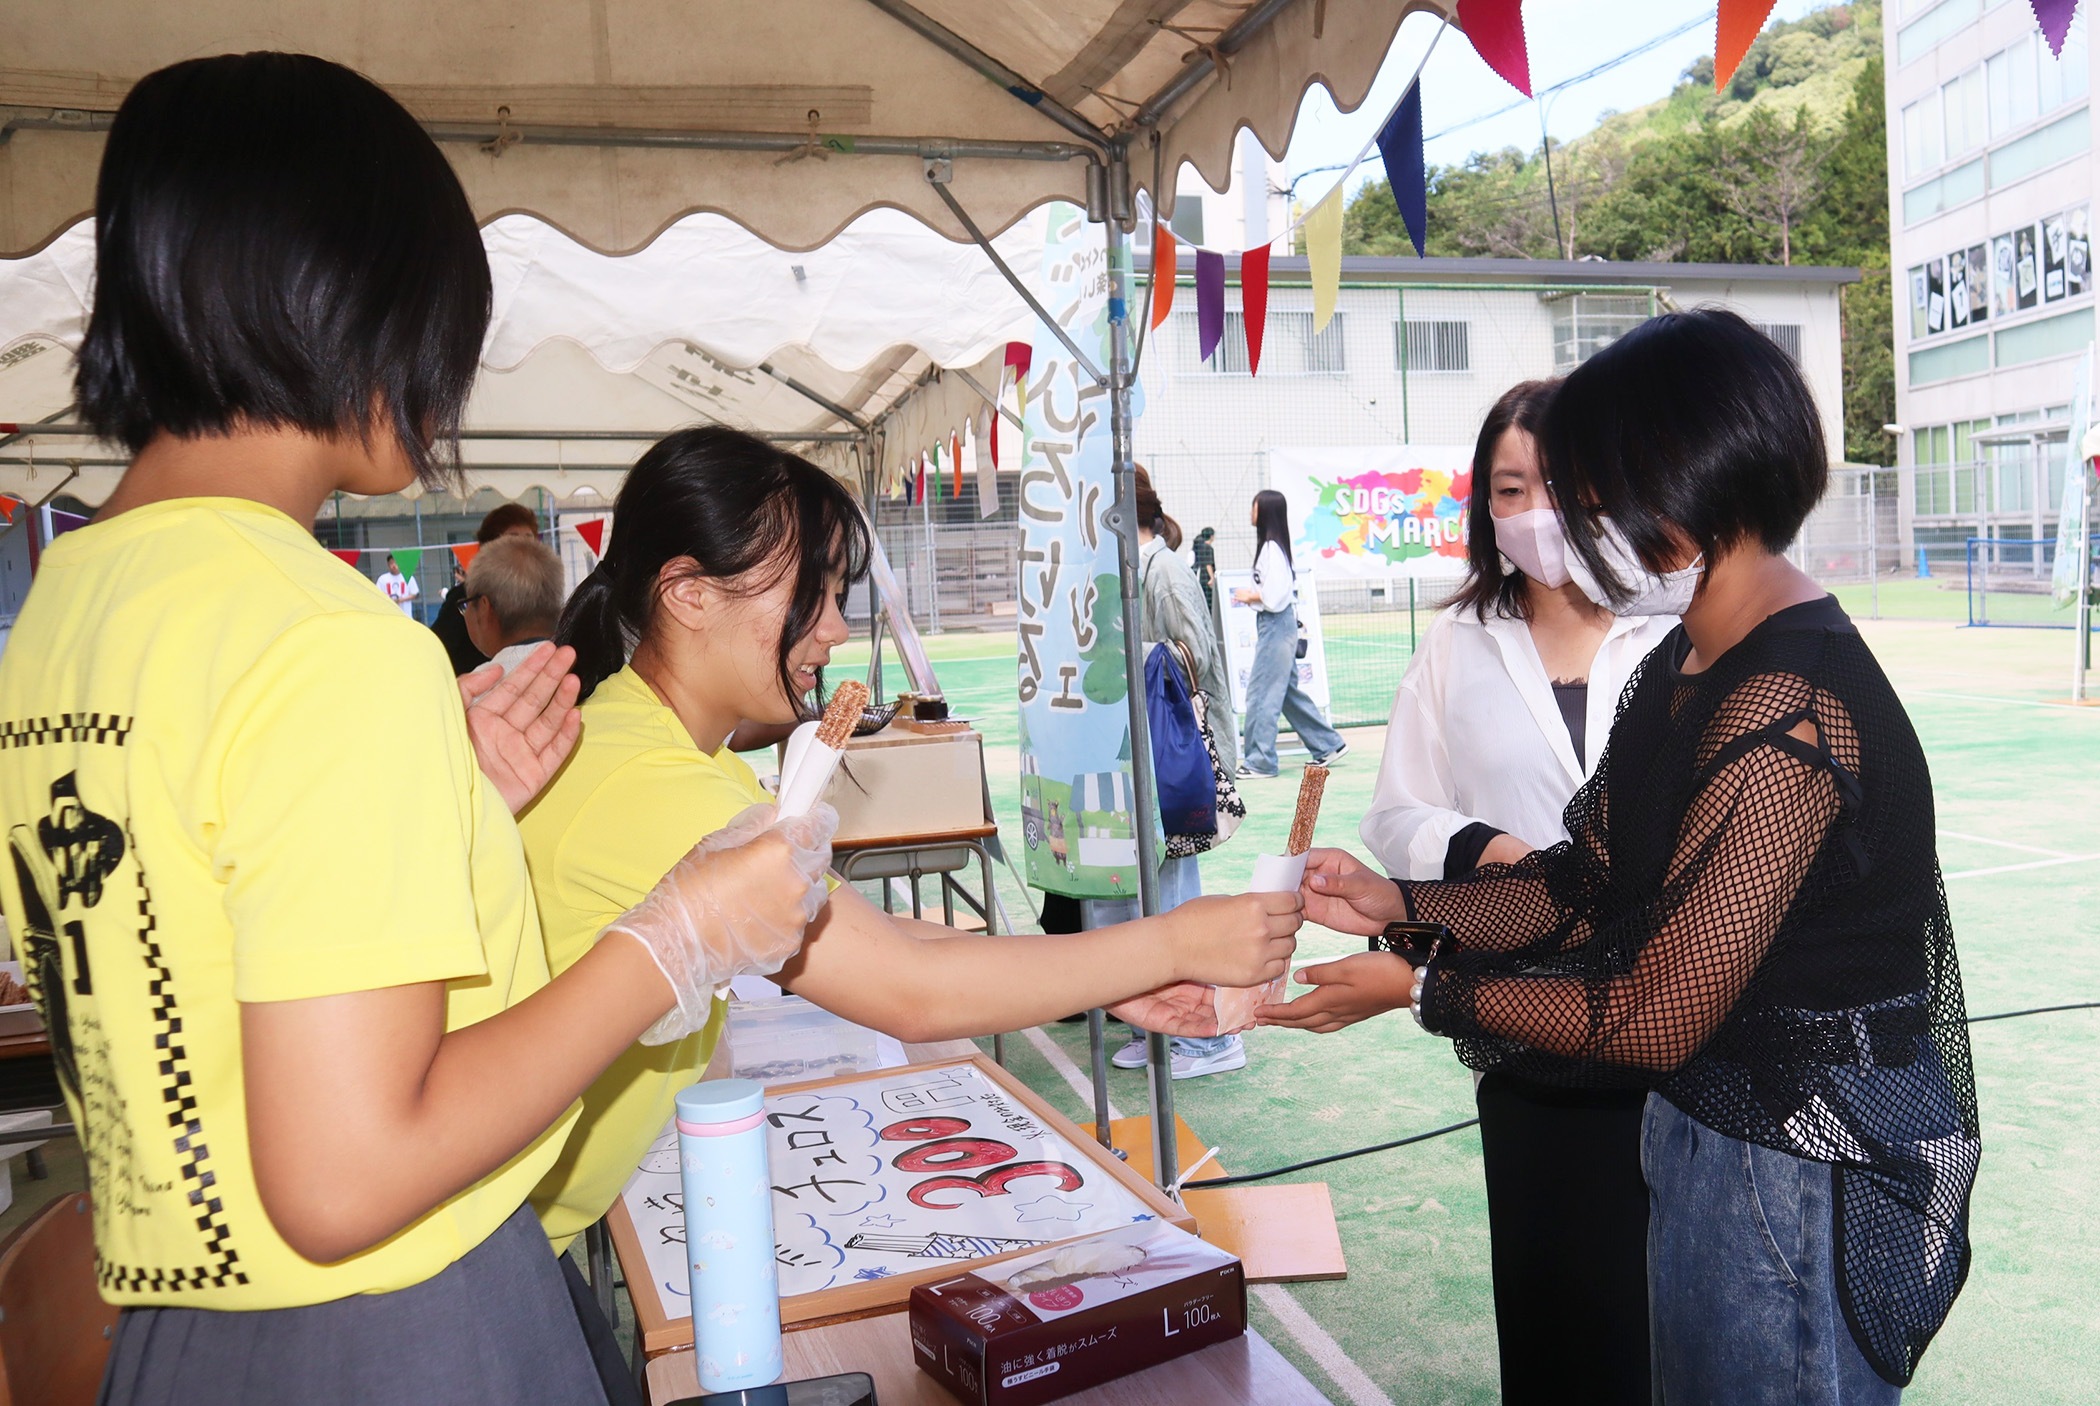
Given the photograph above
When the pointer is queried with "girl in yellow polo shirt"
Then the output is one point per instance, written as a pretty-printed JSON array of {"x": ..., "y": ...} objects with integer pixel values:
[
  {"x": 275, "y": 913},
  {"x": 717, "y": 601}
]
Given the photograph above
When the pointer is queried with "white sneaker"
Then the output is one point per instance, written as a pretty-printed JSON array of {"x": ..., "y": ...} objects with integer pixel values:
[
  {"x": 1233, "y": 1056},
  {"x": 1131, "y": 1056},
  {"x": 1336, "y": 755}
]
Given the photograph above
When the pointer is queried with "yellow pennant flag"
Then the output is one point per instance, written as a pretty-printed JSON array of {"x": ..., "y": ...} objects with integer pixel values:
[{"x": 1323, "y": 250}]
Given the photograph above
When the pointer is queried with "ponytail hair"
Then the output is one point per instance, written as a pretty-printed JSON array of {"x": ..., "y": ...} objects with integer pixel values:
[
  {"x": 1151, "y": 514},
  {"x": 733, "y": 505}
]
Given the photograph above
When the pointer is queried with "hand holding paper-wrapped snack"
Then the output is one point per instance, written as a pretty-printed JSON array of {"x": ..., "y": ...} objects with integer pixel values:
[
  {"x": 1274, "y": 873},
  {"x": 815, "y": 749}
]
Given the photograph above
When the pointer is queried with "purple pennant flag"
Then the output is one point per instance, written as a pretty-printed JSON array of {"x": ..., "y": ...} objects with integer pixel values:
[
  {"x": 1210, "y": 300},
  {"x": 2055, "y": 19},
  {"x": 1400, "y": 143}
]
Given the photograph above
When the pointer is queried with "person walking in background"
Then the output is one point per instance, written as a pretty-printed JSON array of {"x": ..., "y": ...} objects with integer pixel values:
[
  {"x": 1502, "y": 713},
  {"x": 1206, "y": 557},
  {"x": 1173, "y": 614},
  {"x": 401, "y": 590},
  {"x": 504, "y": 520},
  {"x": 1272, "y": 684},
  {"x": 513, "y": 598}
]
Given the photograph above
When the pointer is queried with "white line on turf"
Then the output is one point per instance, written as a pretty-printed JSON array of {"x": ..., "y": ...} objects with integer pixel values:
[
  {"x": 2065, "y": 707},
  {"x": 2006, "y": 844},
  {"x": 2014, "y": 868},
  {"x": 1321, "y": 1348},
  {"x": 1068, "y": 1071}
]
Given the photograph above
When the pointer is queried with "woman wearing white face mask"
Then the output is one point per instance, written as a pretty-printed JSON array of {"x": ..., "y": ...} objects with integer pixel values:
[
  {"x": 1500, "y": 717},
  {"x": 1747, "y": 919}
]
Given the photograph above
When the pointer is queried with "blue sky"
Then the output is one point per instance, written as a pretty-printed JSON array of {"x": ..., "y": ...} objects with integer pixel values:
[{"x": 1564, "y": 38}]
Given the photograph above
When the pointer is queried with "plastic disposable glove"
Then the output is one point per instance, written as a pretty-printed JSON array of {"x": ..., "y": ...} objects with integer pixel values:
[{"x": 736, "y": 905}]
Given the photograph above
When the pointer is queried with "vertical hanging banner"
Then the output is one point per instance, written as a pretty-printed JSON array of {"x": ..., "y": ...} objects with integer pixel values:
[{"x": 1078, "y": 821}]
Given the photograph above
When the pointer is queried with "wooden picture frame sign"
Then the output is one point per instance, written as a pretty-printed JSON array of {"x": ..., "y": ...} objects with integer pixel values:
[{"x": 948, "y": 1134}]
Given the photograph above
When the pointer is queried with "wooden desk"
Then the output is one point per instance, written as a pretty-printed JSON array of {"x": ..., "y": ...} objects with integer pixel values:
[{"x": 1246, "y": 1369}]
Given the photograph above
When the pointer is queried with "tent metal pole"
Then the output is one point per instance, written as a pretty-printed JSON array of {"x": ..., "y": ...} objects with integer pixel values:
[
  {"x": 938, "y": 180},
  {"x": 806, "y": 393},
  {"x": 1123, "y": 519},
  {"x": 957, "y": 47},
  {"x": 1200, "y": 66}
]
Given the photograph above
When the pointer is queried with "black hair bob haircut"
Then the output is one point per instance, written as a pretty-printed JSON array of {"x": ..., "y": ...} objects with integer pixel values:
[
  {"x": 278, "y": 243},
  {"x": 1272, "y": 521},
  {"x": 734, "y": 506},
  {"x": 1693, "y": 421},
  {"x": 1487, "y": 585}
]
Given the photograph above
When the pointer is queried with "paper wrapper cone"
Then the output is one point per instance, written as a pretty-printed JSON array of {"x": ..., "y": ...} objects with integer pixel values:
[{"x": 1273, "y": 873}]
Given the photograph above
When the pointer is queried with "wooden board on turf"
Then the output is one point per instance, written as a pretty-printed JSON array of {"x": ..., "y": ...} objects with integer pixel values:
[
  {"x": 1280, "y": 1233},
  {"x": 660, "y": 1332},
  {"x": 1134, "y": 1137}
]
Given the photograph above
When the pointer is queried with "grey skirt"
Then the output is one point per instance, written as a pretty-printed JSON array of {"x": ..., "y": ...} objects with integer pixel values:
[{"x": 496, "y": 1326}]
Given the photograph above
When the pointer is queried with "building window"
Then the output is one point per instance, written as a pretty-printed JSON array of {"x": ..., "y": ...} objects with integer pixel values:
[
  {"x": 1187, "y": 222},
  {"x": 1921, "y": 135},
  {"x": 1289, "y": 347},
  {"x": 1962, "y": 101},
  {"x": 1786, "y": 334},
  {"x": 1586, "y": 323},
  {"x": 1432, "y": 346}
]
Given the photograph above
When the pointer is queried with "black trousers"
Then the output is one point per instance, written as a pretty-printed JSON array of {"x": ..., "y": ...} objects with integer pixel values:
[{"x": 1568, "y": 1216}]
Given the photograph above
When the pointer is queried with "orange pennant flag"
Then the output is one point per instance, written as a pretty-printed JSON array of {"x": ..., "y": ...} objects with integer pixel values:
[
  {"x": 465, "y": 552},
  {"x": 955, "y": 458},
  {"x": 1164, "y": 268},
  {"x": 1734, "y": 33}
]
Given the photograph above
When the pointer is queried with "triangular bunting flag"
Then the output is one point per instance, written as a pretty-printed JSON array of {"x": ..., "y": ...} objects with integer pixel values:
[
  {"x": 987, "y": 471},
  {"x": 1019, "y": 356},
  {"x": 1737, "y": 27},
  {"x": 347, "y": 555},
  {"x": 2054, "y": 16},
  {"x": 1496, "y": 28},
  {"x": 935, "y": 476},
  {"x": 593, "y": 535},
  {"x": 919, "y": 482},
  {"x": 1254, "y": 301},
  {"x": 1165, "y": 263},
  {"x": 7, "y": 508},
  {"x": 1400, "y": 143},
  {"x": 465, "y": 553},
  {"x": 997, "y": 416},
  {"x": 1323, "y": 250},
  {"x": 955, "y": 460},
  {"x": 1210, "y": 301},
  {"x": 410, "y": 559}
]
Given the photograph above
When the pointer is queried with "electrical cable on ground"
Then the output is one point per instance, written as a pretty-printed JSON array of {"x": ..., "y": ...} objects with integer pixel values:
[{"x": 1474, "y": 1122}]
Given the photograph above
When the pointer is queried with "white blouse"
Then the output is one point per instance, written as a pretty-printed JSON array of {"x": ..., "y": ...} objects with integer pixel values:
[
  {"x": 1476, "y": 736},
  {"x": 1275, "y": 578}
]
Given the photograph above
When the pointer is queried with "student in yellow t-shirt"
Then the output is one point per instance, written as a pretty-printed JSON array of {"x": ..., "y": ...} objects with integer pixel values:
[
  {"x": 261, "y": 862},
  {"x": 723, "y": 579}
]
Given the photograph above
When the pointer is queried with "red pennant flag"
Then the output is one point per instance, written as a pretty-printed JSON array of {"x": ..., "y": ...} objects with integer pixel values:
[
  {"x": 7, "y": 509},
  {"x": 1254, "y": 301},
  {"x": 1496, "y": 28},
  {"x": 920, "y": 495},
  {"x": 593, "y": 535},
  {"x": 1734, "y": 32},
  {"x": 347, "y": 554},
  {"x": 955, "y": 458},
  {"x": 465, "y": 552},
  {"x": 1165, "y": 264},
  {"x": 997, "y": 416}
]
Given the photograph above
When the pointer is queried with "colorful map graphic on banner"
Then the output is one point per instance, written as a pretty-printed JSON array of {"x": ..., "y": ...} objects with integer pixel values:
[
  {"x": 1377, "y": 510},
  {"x": 1078, "y": 819}
]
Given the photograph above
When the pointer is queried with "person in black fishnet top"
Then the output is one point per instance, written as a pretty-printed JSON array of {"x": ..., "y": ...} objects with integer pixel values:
[{"x": 1748, "y": 918}]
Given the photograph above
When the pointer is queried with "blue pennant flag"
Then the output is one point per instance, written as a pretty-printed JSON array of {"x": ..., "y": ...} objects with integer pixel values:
[{"x": 1400, "y": 143}]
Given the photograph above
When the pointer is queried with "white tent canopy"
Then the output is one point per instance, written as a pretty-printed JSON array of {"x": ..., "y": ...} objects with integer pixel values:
[
  {"x": 675, "y": 332},
  {"x": 611, "y": 119}
]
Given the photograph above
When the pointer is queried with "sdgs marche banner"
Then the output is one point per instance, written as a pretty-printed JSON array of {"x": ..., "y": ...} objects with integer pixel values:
[{"x": 1377, "y": 510}]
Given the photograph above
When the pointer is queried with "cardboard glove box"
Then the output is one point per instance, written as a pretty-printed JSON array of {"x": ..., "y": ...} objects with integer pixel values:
[{"x": 1047, "y": 1324}]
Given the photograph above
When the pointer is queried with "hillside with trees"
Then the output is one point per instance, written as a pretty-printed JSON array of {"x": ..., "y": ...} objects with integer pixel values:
[{"x": 1787, "y": 165}]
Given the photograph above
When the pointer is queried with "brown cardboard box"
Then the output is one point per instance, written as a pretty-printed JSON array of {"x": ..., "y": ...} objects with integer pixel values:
[{"x": 1032, "y": 1329}]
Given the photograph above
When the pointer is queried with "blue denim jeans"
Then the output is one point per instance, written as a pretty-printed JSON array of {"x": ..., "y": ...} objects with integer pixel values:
[
  {"x": 1273, "y": 688},
  {"x": 1179, "y": 881},
  {"x": 1742, "y": 1277}
]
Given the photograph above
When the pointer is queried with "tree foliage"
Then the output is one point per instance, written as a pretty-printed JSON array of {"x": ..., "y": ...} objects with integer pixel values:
[{"x": 1788, "y": 165}]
